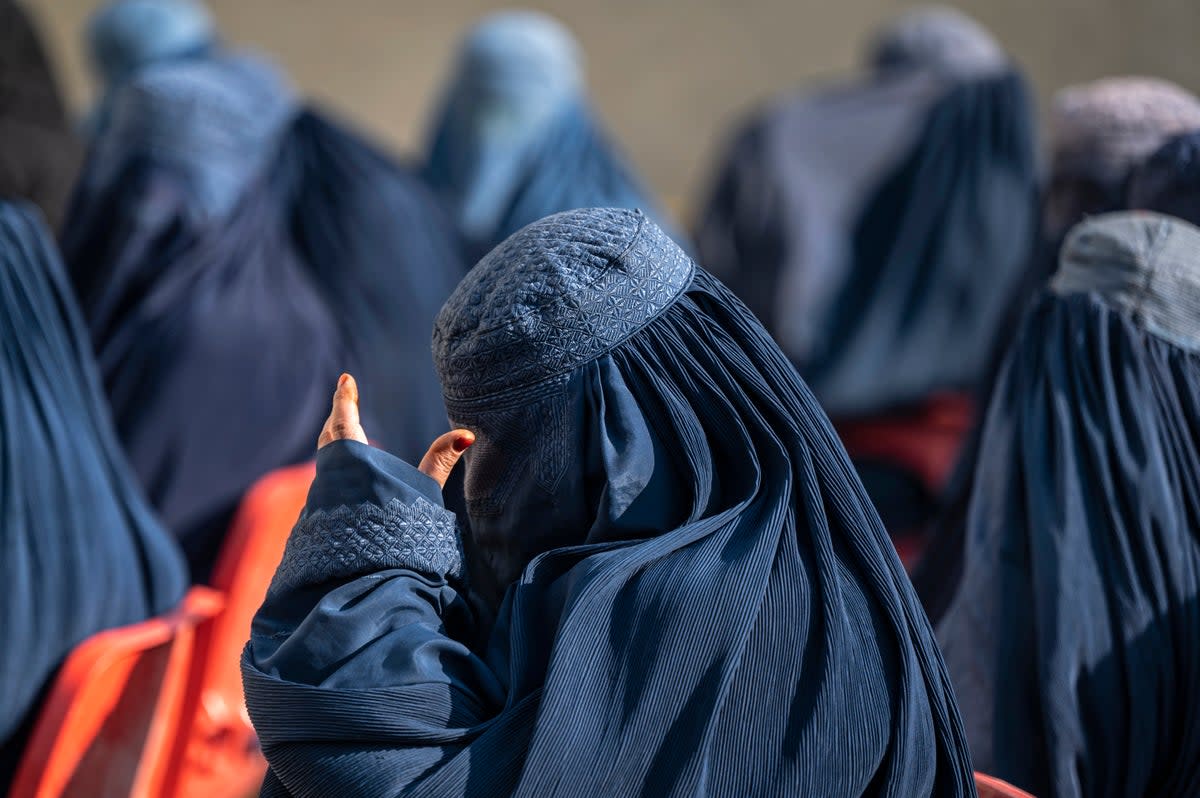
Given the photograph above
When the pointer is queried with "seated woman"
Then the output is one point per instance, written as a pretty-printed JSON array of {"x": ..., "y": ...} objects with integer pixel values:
[
  {"x": 673, "y": 582},
  {"x": 195, "y": 294},
  {"x": 82, "y": 551},
  {"x": 1102, "y": 137},
  {"x": 879, "y": 230},
  {"x": 515, "y": 140},
  {"x": 370, "y": 232},
  {"x": 1073, "y": 632}
]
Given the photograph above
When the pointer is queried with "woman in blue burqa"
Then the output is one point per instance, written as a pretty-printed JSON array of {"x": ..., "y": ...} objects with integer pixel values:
[
  {"x": 372, "y": 235},
  {"x": 673, "y": 583},
  {"x": 1122, "y": 143},
  {"x": 80, "y": 548},
  {"x": 515, "y": 139},
  {"x": 1073, "y": 628},
  {"x": 879, "y": 230},
  {"x": 220, "y": 222},
  {"x": 194, "y": 293}
]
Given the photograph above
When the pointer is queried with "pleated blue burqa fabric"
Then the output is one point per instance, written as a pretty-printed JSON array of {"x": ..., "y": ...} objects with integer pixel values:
[
  {"x": 198, "y": 302},
  {"x": 515, "y": 139},
  {"x": 81, "y": 549},
  {"x": 1073, "y": 629},
  {"x": 674, "y": 583}
]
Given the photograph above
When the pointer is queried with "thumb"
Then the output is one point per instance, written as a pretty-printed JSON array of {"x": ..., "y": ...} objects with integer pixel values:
[
  {"x": 343, "y": 422},
  {"x": 445, "y": 453}
]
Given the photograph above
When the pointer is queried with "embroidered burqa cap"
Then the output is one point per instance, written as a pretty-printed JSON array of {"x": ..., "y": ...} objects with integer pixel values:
[
  {"x": 573, "y": 294},
  {"x": 1144, "y": 265}
]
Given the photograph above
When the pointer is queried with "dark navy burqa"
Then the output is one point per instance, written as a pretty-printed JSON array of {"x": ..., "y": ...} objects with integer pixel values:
[
  {"x": 80, "y": 550},
  {"x": 207, "y": 326},
  {"x": 39, "y": 154},
  {"x": 374, "y": 238},
  {"x": 698, "y": 598},
  {"x": 515, "y": 139},
  {"x": 881, "y": 229},
  {"x": 1073, "y": 634},
  {"x": 385, "y": 257}
]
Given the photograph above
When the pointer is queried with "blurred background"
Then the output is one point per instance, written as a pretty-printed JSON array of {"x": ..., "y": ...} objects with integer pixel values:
[{"x": 667, "y": 76}]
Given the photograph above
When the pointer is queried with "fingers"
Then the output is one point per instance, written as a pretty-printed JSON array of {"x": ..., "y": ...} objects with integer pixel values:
[
  {"x": 343, "y": 422},
  {"x": 445, "y": 453}
]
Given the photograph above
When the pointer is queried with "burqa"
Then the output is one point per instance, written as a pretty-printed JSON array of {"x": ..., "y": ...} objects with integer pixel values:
[
  {"x": 880, "y": 230},
  {"x": 515, "y": 139},
  {"x": 385, "y": 256},
  {"x": 1073, "y": 628},
  {"x": 126, "y": 36},
  {"x": 698, "y": 598},
  {"x": 1169, "y": 180},
  {"x": 198, "y": 304},
  {"x": 81, "y": 548}
]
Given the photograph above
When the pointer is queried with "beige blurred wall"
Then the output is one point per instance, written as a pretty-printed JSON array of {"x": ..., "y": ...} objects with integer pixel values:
[{"x": 667, "y": 75}]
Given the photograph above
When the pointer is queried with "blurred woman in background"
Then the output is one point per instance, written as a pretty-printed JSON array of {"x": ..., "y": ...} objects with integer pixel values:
[
  {"x": 515, "y": 140},
  {"x": 82, "y": 550},
  {"x": 1101, "y": 134},
  {"x": 373, "y": 237},
  {"x": 39, "y": 155},
  {"x": 880, "y": 230},
  {"x": 195, "y": 296},
  {"x": 1073, "y": 632}
]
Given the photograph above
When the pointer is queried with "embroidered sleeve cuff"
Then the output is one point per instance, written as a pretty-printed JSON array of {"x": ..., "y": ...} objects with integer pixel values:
[{"x": 365, "y": 514}]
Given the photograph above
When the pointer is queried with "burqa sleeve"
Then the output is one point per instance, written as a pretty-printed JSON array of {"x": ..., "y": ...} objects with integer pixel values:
[{"x": 366, "y": 615}]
